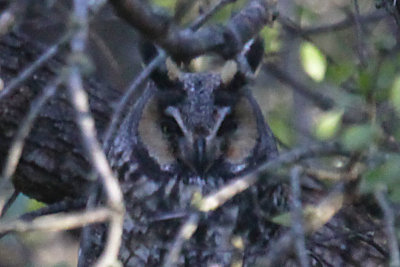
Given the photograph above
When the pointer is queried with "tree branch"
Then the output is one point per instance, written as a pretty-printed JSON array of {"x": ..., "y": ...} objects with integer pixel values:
[
  {"x": 185, "y": 44},
  {"x": 389, "y": 227},
  {"x": 57, "y": 222},
  {"x": 216, "y": 199},
  {"x": 297, "y": 217},
  {"x": 341, "y": 25},
  {"x": 320, "y": 100},
  {"x": 185, "y": 232},
  {"x": 27, "y": 73},
  {"x": 93, "y": 149}
]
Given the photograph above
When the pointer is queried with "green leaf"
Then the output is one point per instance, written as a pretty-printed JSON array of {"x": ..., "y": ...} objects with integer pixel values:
[
  {"x": 339, "y": 73},
  {"x": 388, "y": 71},
  {"x": 283, "y": 219},
  {"x": 371, "y": 180},
  {"x": 279, "y": 120},
  {"x": 328, "y": 124},
  {"x": 271, "y": 39},
  {"x": 313, "y": 61},
  {"x": 281, "y": 130},
  {"x": 386, "y": 174},
  {"x": 365, "y": 82},
  {"x": 169, "y": 4},
  {"x": 385, "y": 44},
  {"x": 395, "y": 95},
  {"x": 394, "y": 193},
  {"x": 358, "y": 137},
  {"x": 61, "y": 264},
  {"x": 34, "y": 205}
]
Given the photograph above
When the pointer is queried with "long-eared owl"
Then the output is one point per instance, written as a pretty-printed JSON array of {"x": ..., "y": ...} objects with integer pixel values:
[{"x": 188, "y": 132}]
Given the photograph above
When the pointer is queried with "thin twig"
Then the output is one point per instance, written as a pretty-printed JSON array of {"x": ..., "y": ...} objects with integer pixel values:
[
  {"x": 207, "y": 15},
  {"x": 39, "y": 62},
  {"x": 315, "y": 217},
  {"x": 216, "y": 199},
  {"x": 57, "y": 222},
  {"x": 341, "y": 25},
  {"x": 92, "y": 147},
  {"x": 368, "y": 239},
  {"x": 47, "y": 55},
  {"x": 8, "y": 203},
  {"x": 389, "y": 227},
  {"x": 17, "y": 144},
  {"x": 106, "y": 52},
  {"x": 360, "y": 40},
  {"x": 86, "y": 238},
  {"x": 280, "y": 248},
  {"x": 166, "y": 216},
  {"x": 320, "y": 100},
  {"x": 63, "y": 206},
  {"x": 297, "y": 218},
  {"x": 322, "y": 174},
  {"x": 96, "y": 5},
  {"x": 10, "y": 16},
  {"x": 185, "y": 44},
  {"x": 392, "y": 9},
  {"x": 122, "y": 105},
  {"x": 186, "y": 231}
]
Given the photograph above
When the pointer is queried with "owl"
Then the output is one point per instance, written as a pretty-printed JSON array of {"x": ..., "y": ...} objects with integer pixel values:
[{"x": 188, "y": 133}]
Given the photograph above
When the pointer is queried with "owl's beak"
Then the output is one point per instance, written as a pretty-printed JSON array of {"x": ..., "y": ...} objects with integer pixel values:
[
  {"x": 200, "y": 154},
  {"x": 198, "y": 150},
  {"x": 194, "y": 154}
]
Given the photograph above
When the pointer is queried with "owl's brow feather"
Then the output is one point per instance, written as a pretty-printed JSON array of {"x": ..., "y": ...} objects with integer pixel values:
[
  {"x": 221, "y": 117},
  {"x": 174, "y": 112}
]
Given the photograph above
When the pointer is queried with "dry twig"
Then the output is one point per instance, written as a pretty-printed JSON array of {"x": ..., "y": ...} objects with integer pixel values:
[
  {"x": 186, "y": 231},
  {"x": 297, "y": 218},
  {"x": 218, "y": 198},
  {"x": 38, "y": 63},
  {"x": 92, "y": 147},
  {"x": 185, "y": 44},
  {"x": 389, "y": 227},
  {"x": 57, "y": 222}
]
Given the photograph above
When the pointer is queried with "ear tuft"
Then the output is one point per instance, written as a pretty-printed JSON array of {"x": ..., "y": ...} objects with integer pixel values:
[
  {"x": 161, "y": 76},
  {"x": 147, "y": 50},
  {"x": 255, "y": 54},
  {"x": 229, "y": 71},
  {"x": 172, "y": 69}
]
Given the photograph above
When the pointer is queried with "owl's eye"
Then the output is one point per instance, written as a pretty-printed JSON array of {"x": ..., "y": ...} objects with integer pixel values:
[
  {"x": 170, "y": 128},
  {"x": 227, "y": 126}
]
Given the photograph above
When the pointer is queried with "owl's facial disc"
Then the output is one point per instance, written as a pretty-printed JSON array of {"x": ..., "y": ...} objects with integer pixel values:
[
  {"x": 198, "y": 147},
  {"x": 203, "y": 122}
]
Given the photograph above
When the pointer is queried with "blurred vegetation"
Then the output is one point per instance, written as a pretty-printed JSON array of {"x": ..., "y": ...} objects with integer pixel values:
[{"x": 358, "y": 67}]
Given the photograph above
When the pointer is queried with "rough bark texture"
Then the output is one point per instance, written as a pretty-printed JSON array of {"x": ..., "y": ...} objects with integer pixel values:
[{"x": 52, "y": 166}]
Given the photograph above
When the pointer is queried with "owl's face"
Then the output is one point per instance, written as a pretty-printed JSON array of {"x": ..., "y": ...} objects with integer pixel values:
[{"x": 200, "y": 124}]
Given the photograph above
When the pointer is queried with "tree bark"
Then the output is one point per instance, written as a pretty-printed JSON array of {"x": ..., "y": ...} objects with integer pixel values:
[{"x": 53, "y": 166}]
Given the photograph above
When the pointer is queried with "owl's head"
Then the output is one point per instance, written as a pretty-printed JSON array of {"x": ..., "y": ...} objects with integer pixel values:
[{"x": 199, "y": 124}]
